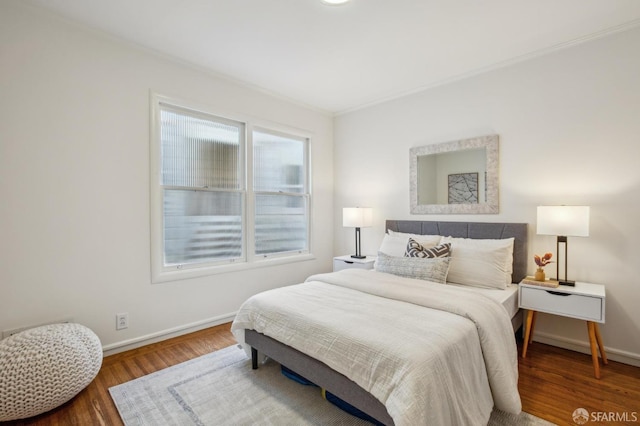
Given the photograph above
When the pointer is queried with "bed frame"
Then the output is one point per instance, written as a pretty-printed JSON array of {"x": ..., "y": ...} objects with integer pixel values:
[{"x": 338, "y": 384}]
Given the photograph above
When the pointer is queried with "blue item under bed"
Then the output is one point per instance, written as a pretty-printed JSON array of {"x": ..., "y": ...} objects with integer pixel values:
[{"x": 344, "y": 406}]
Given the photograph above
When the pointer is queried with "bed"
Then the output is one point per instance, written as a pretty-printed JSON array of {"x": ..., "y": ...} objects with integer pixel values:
[{"x": 438, "y": 362}]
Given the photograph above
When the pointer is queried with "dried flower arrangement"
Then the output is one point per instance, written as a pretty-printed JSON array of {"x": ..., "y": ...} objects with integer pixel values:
[{"x": 544, "y": 260}]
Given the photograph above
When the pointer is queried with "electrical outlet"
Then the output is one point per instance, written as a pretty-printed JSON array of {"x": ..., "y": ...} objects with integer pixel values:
[{"x": 122, "y": 321}]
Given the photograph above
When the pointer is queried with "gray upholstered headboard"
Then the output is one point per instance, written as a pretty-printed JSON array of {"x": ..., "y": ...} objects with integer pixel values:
[{"x": 478, "y": 230}]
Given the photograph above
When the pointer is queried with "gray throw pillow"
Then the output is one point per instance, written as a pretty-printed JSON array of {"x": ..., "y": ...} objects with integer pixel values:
[{"x": 414, "y": 267}]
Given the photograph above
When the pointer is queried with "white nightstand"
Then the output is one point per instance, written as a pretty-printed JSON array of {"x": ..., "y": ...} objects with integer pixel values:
[
  {"x": 348, "y": 262},
  {"x": 585, "y": 301}
]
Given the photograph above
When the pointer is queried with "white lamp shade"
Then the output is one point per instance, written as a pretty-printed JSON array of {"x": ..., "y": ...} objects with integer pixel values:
[
  {"x": 568, "y": 221},
  {"x": 357, "y": 217}
]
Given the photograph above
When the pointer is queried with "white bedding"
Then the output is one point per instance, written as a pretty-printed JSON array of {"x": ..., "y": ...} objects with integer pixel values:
[
  {"x": 507, "y": 297},
  {"x": 431, "y": 353}
]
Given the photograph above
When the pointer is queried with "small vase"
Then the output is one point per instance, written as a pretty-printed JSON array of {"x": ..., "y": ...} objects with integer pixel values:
[{"x": 539, "y": 274}]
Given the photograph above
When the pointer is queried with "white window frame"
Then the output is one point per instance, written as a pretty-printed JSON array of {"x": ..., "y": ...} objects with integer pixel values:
[{"x": 161, "y": 273}]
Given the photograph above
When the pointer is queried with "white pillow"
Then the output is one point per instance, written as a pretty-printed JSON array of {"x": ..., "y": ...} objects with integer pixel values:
[
  {"x": 480, "y": 263},
  {"x": 434, "y": 269},
  {"x": 434, "y": 238},
  {"x": 395, "y": 243}
]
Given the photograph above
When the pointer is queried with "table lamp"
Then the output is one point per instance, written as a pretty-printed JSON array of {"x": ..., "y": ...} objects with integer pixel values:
[
  {"x": 357, "y": 217},
  {"x": 563, "y": 221}
]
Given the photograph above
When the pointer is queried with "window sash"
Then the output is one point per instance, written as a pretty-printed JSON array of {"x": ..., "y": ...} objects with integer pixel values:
[
  {"x": 281, "y": 224},
  {"x": 281, "y": 195},
  {"x": 202, "y": 226},
  {"x": 279, "y": 163},
  {"x": 202, "y": 184},
  {"x": 200, "y": 150}
]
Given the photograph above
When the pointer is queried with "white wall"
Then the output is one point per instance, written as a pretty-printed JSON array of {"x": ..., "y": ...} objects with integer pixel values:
[
  {"x": 569, "y": 132},
  {"x": 74, "y": 182}
]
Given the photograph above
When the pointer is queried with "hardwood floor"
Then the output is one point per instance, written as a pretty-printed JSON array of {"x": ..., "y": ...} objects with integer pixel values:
[{"x": 553, "y": 382}]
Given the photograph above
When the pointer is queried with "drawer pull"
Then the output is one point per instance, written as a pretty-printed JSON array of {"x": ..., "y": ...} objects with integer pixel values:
[
  {"x": 557, "y": 293},
  {"x": 346, "y": 261}
]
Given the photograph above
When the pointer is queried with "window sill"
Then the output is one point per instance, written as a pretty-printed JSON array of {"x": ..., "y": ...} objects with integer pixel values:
[{"x": 184, "y": 274}]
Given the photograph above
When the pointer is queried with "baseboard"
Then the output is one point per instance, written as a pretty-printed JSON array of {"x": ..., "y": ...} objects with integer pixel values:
[
  {"x": 624, "y": 357},
  {"x": 159, "y": 336}
]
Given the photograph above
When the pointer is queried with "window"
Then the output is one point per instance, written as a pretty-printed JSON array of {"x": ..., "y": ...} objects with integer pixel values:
[
  {"x": 202, "y": 185},
  {"x": 214, "y": 205},
  {"x": 281, "y": 194}
]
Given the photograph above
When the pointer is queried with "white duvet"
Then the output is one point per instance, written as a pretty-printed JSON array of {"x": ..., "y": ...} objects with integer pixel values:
[{"x": 432, "y": 354}]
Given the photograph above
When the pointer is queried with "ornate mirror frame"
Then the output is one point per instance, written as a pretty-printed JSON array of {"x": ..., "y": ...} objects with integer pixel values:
[{"x": 491, "y": 206}]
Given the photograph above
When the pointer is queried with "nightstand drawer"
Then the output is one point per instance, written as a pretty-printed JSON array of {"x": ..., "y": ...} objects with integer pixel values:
[
  {"x": 347, "y": 262},
  {"x": 566, "y": 304}
]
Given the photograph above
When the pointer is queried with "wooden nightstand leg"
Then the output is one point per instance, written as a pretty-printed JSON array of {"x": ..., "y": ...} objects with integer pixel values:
[
  {"x": 527, "y": 332},
  {"x": 603, "y": 355},
  {"x": 594, "y": 349},
  {"x": 533, "y": 325}
]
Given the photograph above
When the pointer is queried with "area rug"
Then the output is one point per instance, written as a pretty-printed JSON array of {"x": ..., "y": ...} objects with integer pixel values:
[{"x": 221, "y": 389}]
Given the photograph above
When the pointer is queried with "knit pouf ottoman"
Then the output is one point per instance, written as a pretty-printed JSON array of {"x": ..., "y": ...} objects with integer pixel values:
[{"x": 44, "y": 367}]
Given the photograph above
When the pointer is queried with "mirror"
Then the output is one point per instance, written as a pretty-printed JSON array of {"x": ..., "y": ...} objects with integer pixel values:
[{"x": 457, "y": 177}]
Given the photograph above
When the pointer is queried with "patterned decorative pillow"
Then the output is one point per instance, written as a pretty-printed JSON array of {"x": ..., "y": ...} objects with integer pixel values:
[
  {"x": 395, "y": 243},
  {"x": 434, "y": 269},
  {"x": 415, "y": 249}
]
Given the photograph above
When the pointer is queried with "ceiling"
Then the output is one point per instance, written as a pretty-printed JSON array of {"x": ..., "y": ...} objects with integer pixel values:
[{"x": 341, "y": 58}]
